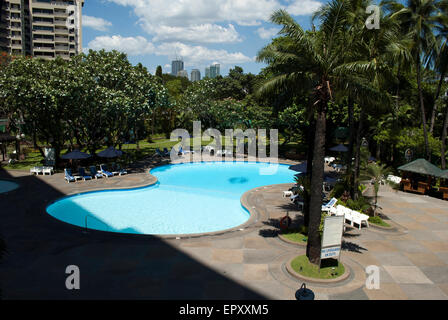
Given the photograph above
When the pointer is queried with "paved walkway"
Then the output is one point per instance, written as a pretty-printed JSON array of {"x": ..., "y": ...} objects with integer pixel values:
[{"x": 247, "y": 264}]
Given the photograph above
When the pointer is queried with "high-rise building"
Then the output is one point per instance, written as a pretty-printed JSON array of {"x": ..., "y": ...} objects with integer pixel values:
[
  {"x": 41, "y": 28},
  {"x": 176, "y": 66},
  {"x": 195, "y": 75},
  {"x": 214, "y": 70},
  {"x": 182, "y": 73}
]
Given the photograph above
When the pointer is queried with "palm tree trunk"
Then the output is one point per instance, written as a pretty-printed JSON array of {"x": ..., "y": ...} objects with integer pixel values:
[
  {"x": 309, "y": 170},
  {"x": 351, "y": 125},
  {"x": 422, "y": 110},
  {"x": 357, "y": 155},
  {"x": 444, "y": 134},
  {"x": 314, "y": 244},
  {"x": 434, "y": 108}
]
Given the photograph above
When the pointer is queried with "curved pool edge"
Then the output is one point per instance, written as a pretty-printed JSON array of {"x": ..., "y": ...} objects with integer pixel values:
[{"x": 254, "y": 215}]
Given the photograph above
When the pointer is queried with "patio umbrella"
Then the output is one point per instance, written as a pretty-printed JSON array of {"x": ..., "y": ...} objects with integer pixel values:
[
  {"x": 75, "y": 155},
  {"x": 422, "y": 166},
  {"x": 339, "y": 148},
  {"x": 444, "y": 174},
  {"x": 299, "y": 167},
  {"x": 110, "y": 152}
]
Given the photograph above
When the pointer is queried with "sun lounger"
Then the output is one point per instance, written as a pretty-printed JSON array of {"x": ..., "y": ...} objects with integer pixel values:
[
  {"x": 160, "y": 153},
  {"x": 83, "y": 174},
  {"x": 48, "y": 170},
  {"x": 120, "y": 170},
  {"x": 95, "y": 173},
  {"x": 105, "y": 172},
  {"x": 353, "y": 216},
  {"x": 114, "y": 169},
  {"x": 326, "y": 207},
  {"x": 359, "y": 218},
  {"x": 36, "y": 170},
  {"x": 68, "y": 175}
]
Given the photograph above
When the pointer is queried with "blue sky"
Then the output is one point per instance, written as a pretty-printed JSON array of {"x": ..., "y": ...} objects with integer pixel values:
[{"x": 202, "y": 32}]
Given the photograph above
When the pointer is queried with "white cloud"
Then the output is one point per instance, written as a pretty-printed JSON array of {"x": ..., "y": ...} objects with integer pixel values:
[
  {"x": 303, "y": 7},
  {"x": 267, "y": 33},
  {"x": 204, "y": 33},
  {"x": 95, "y": 23},
  {"x": 192, "y": 55},
  {"x": 133, "y": 46},
  {"x": 199, "y": 55}
]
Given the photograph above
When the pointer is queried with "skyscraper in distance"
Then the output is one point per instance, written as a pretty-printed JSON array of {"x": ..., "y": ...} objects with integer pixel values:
[
  {"x": 176, "y": 66},
  {"x": 207, "y": 72},
  {"x": 214, "y": 70},
  {"x": 195, "y": 75}
]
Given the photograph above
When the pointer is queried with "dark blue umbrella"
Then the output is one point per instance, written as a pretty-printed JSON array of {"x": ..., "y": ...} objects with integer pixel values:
[
  {"x": 75, "y": 155},
  {"x": 339, "y": 148},
  {"x": 110, "y": 152}
]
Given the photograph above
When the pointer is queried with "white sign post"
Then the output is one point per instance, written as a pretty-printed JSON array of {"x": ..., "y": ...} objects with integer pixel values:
[{"x": 332, "y": 237}]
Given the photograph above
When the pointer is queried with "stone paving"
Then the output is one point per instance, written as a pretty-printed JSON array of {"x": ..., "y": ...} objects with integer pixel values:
[{"x": 248, "y": 264}]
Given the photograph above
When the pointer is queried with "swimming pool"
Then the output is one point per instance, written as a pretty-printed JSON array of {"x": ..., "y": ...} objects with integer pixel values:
[
  {"x": 188, "y": 198},
  {"x": 6, "y": 186}
]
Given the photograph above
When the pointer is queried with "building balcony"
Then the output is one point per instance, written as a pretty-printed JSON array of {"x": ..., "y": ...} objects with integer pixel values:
[
  {"x": 16, "y": 46},
  {"x": 42, "y": 40},
  {"x": 61, "y": 40},
  {"x": 61, "y": 31},
  {"x": 43, "y": 23},
  {"x": 61, "y": 48},
  {"x": 43, "y": 32},
  {"x": 43, "y": 49}
]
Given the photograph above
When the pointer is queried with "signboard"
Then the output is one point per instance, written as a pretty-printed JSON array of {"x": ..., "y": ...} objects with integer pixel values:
[
  {"x": 332, "y": 237},
  {"x": 330, "y": 252}
]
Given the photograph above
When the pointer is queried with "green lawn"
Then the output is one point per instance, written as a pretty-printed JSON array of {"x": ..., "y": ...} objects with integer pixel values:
[
  {"x": 330, "y": 268},
  {"x": 378, "y": 221},
  {"x": 295, "y": 236}
]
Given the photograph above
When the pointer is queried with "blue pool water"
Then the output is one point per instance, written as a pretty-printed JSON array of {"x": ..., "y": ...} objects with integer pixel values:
[
  {"x": 188, "y": 198},
  {"x": 6, "y": 186}
]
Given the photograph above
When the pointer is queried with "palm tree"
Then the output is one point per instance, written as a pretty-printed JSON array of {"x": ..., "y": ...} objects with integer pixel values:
[
  {"x": 308, "y": 59},
  {"x": 375, "y": 173},
  {"x": 419, "y": 18}
]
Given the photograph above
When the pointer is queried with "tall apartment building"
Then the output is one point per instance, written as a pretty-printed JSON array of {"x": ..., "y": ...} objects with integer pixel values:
[
  {"x": 176, "y": 66},
  {"x": 213, "y": 71},
  {"x": 39, "y": 28},
  {"x": 195, "y": 75}
]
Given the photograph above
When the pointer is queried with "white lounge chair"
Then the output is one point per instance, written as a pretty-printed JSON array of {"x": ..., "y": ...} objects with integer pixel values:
[
  {"x": 326, "y": 207},
  {"x": 359, "y": 218}
]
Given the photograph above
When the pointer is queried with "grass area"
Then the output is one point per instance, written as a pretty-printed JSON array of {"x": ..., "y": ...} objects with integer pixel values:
[
  {"x": 330, "y": 268},
  {"x": 378, "y": 221},
  {"x": 295, "y": 236}
]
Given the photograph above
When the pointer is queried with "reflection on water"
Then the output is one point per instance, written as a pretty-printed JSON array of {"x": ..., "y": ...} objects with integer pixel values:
[{"x": 239, "y": 180}]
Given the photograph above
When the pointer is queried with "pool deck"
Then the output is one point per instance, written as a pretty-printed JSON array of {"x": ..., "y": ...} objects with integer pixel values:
[{"x": 248, "y": 264}]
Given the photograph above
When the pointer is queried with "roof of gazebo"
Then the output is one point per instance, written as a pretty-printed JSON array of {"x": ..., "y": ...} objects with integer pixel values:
[{"x": 421, "y": 166}]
